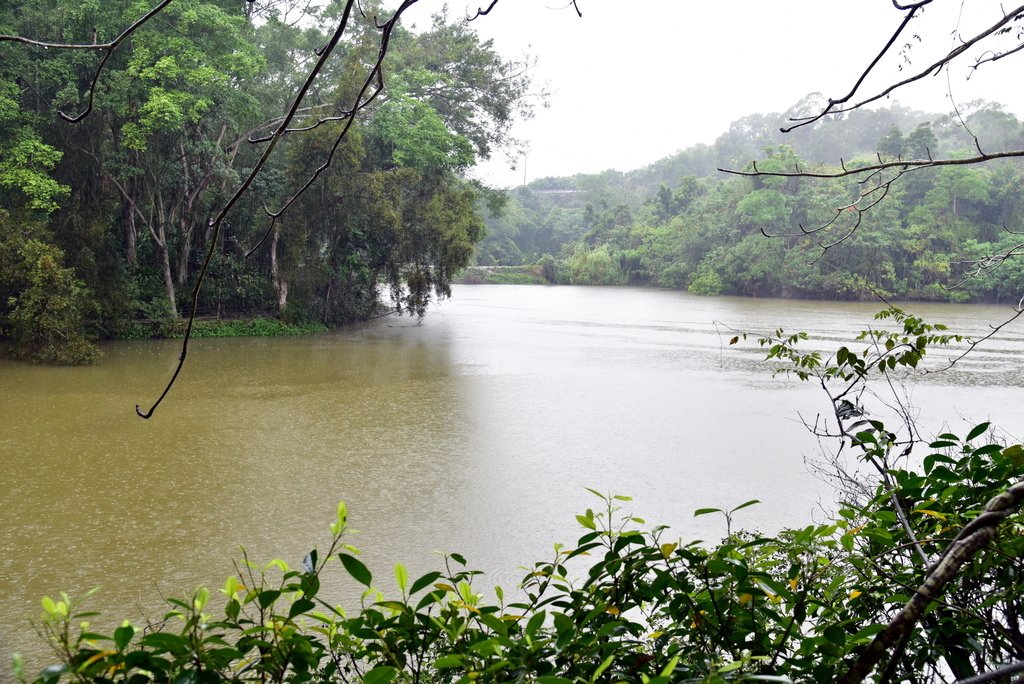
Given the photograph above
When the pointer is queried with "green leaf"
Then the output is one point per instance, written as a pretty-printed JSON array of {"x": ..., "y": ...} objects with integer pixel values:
[
  {"x": 424, "y": 582},
  {"x": 170, "y": 643},
  {"x": 536, "y": 620},
  {"x": 835, "y": 634},
  {"x": 867, "y": 633},
  {"x": 267, "y": 597},
  {"x": 586, "y": 522},
  {"x": 986, "y": 450},
  {"x": 745, "y": 504},
  {"x": 401, "y": 577},
  {"x": 448, "y": 661},
  {"x": 977, "y": 431},
  {"x": 123, "y": 635},
  {"x": 670, "y": 667},
  {"x": 705, "y": 511},
  {"x": 382, "y": 674},
  {"x": 303, "y": 605},
  {"x": 355, "y": 567},
  {"x": 605, "y": 664}
]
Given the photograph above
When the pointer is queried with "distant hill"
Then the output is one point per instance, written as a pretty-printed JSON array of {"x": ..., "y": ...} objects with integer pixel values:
[{"x": 679, "y": 222}]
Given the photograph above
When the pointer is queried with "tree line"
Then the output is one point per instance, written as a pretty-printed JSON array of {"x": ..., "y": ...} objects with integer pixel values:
[
  {"x": 104, "y": 222},
  {"x": 679, "y": 224}
]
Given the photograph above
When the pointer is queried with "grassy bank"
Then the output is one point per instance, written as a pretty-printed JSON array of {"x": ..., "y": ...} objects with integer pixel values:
[
  {"x": 503, "y": 275},
  {"x": 235, "y": 327}
]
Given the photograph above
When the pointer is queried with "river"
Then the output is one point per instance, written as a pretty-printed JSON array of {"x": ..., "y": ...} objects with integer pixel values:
[{"x": 476, "y": 431}]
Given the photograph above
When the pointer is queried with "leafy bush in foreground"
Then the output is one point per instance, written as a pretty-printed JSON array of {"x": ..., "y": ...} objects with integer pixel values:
[{"x": 798, "y": 606}]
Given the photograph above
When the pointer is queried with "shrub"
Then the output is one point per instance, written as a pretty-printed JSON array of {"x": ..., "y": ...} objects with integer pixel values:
[
  {"x": 47, "y": 315},
  {"x": 594, "y": 267}
]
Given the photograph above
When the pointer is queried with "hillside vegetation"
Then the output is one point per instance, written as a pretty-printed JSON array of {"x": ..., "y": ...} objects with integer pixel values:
[{"x": 680, "y": 223}]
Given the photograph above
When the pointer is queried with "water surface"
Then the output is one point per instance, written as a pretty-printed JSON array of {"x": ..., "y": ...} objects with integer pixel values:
[{"x": 476, "y": 432}]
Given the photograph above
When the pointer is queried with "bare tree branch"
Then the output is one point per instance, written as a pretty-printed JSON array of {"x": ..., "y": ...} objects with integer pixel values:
[
  {"x": 832, "y": 103},
  {"x": 217, "y": 222},
  {"x": 934, "y": 67},
  {"x": 995, "y": 675},
  {"x": 480, "y": 11},
  {"x": 904, "y": 165}
]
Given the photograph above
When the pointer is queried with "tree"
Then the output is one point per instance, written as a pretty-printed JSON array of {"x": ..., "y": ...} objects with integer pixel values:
[
  {"x": 169, "y": 145},
  {"x": 1001, "y": 39}
]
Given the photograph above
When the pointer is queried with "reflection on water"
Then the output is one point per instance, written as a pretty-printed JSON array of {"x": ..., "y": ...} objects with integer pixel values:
[{"x": 474, "y": 432}]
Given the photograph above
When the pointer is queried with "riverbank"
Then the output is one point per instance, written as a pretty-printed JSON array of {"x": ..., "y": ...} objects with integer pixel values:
[
  {"x": 260, "y": 326},
  {"x": 503, "y": 275},
  {"x": 541, "y": 274}
]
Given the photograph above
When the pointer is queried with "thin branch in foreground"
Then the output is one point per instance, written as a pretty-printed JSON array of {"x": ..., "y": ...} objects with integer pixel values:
[
  {"x": 832, "y": 103},
  {"x": 282, "y": 129},
  {"x": 904, "y": 164},
  {"x": 995, "y": 675},
  {"x": 934, "y": 67},
  {"x": 107, "y": 48},
  {"x": 218, "y": 220},
  {"x": 480, "y": 11},
  {"x": 1018, "y": 312}
]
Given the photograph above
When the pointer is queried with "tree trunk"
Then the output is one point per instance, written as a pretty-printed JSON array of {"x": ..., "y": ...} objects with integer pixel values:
[
  {"x": 280, "y": 284},
  {"x": 186, "y": 247},
  {"x": 131, "y": 237},
  {"x": 165, "y": 256}
]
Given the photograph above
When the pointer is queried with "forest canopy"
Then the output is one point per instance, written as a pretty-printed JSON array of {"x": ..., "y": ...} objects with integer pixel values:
[
  {"x": 679, "y": 223},
  {"x": 105, "y": 222}
]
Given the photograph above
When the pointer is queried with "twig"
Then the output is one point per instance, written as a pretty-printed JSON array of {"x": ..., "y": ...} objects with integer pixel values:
[
  {"x": 107, "y": 48},
  {"x": 832, "y": 108}
]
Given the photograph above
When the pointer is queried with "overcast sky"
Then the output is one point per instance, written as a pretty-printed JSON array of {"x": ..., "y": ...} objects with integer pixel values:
[{"x": 633, "y": 81}]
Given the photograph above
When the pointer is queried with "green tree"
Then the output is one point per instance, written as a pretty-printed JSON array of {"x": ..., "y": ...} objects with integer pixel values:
[{"x": 44, "y": 304}]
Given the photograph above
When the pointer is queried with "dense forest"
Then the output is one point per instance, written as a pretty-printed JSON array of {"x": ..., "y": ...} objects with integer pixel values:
[
  {"x": 105, "y": 222},
  {"x": 680, "y": 223}
]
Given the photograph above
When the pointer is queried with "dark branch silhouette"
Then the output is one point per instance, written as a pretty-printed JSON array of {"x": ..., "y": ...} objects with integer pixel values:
[
  {"x": 282, "y": 128},
  {"x": 107, "y": 48},
  {"x": 971, "y": 539},
  {"x": 833, "y": 106}
]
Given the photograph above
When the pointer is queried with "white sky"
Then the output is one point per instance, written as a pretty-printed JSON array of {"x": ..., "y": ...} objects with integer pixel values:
[{"x": 633, "y": 81}]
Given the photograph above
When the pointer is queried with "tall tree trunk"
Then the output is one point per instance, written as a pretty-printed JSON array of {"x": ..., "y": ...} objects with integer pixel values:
[
  {"x": 186, "y": 247},
  {"x": 131, "y": 236},
  {"x": 280, "y": 284},
  {"x": 159, "y": 235},
  {"x": 161, "y": 244}
]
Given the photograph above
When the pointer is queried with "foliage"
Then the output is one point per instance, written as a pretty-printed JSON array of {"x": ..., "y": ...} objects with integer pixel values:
[
  {"x": 669, "y": 227},
  {"x": 43, "y": 304},
  {"x": 128, "y": 195},
  {"x": 256, "y": 327},
  {"x": 504, "y": 275},
  {"x": 594, "y": 267}
]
